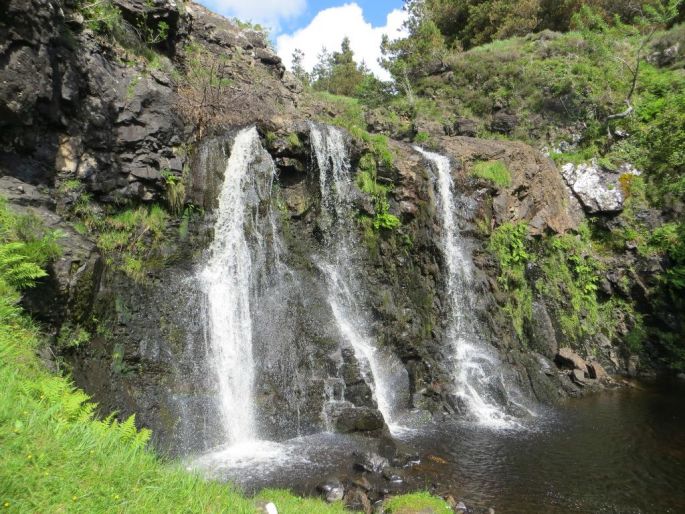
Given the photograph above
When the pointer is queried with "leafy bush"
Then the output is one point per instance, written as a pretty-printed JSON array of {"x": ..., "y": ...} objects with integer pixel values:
[{"x": 101, "y": 16}]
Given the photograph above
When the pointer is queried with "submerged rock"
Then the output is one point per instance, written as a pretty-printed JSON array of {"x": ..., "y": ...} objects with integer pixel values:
[
  {"x": 356, "y": 499},
  {"x": 371, "y": 462}
]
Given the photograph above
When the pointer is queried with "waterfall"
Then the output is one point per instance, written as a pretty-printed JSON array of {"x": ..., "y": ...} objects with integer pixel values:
[
  {"x": 384, "y": 373},
  {"x": 481, "y": 386},
  {"x": 238, "y": 264}
]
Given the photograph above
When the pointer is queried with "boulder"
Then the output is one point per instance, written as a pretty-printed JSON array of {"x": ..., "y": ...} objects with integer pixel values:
[
  {"x": 356, "y": 499},
  {"x": 465, "y": 127},
  {"x": 597, "y": 190},
  {"x": 503, "y": 123},
  {"x": 579, "y": 378},
  {"x": 596, "y": 371},
  {"x": 370, "y": 462},
  {"x": 358, "y": 419},
  {"x": 568, "y": 359}
]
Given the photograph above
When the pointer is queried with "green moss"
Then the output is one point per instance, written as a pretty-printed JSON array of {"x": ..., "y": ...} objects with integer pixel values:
[
  {"x": 494, "y": 171},
  {"x": 294, "y": 140},
  {"x": 570, "y": 275},
  {"x": 367, "y": 182}
]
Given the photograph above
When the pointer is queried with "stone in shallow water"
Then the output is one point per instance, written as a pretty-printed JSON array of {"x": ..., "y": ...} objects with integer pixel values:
[
  {"x": 356, "y": 499},
  {"x": 371, "y": 462}
]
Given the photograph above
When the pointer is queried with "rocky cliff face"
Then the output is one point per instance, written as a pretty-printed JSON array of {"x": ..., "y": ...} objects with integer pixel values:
[{"x": 86, "y": 121}]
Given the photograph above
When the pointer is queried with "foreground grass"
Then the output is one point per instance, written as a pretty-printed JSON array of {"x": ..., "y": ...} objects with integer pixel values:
[
  {"x": 57, "y": 458},
  {"x": 416, "y": 503}
]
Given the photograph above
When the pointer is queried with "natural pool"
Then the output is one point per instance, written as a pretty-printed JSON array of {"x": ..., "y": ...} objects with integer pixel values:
[{"x": 620, "y": 451}]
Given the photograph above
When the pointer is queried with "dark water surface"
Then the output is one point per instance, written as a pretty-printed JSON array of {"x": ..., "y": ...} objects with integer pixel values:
[{"x": 621, "y": 451}]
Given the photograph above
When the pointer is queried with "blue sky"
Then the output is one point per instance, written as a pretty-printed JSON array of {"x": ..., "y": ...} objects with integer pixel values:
[
  {"x": 310, "y": 25},
  {"x": 374, "y": 12}
]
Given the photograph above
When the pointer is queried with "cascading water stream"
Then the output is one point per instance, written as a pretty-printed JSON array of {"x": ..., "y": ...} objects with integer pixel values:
[
  {"x": 479, "y": 378},
  {"x": 237, "y": 264},
  {"x": 338, "y": 265}
]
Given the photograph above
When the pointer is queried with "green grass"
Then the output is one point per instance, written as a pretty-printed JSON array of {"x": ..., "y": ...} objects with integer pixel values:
[
  {"x": 416, "y": 503},
  {"x": 494, "y": 171},
  {"x": 288, "y": 503}
]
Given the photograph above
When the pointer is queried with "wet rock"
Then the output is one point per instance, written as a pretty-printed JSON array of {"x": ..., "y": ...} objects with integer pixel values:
[
  {"x": 333, "y": 490},
  {"x": 393, "y": 475},
  {"x": 363, "y": 483},
  {"x": 578, "y": 377},
  {"x": 358, "y": 419},
  {"x": 356, "y": 499},
  {"x": 633, "y": 365},
  {"x": 541, "y": 334},
  {"x": 567, "y": 358},
  {"x": 398, "y": 453},
  {"x": 371, "y": 462}
]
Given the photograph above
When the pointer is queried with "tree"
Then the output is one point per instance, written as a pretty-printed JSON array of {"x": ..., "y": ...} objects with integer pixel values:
[
  {"x": 338, "y": 73},
  {"x": 298, "y": 67},
  {"x": 321, "y": 73}
]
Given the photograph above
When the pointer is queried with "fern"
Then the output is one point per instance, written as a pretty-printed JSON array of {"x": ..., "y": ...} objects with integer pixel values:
[{"x": 15, "y": 268}]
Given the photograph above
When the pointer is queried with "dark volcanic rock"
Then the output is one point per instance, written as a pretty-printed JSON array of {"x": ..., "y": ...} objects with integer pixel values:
[
  {"x": 503, "y": 123},
  {"x": 358, "y": 419}
]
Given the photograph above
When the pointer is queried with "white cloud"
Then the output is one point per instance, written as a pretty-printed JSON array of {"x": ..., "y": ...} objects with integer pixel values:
[
  {"x": 266, "y": 12},
  {"x": 330, "y": 26}
]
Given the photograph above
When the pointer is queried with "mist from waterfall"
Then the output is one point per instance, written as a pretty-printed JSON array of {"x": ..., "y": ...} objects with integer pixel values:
[
  {"x": 482, "y": 389},
  {"x": 383, "y": 371}
]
